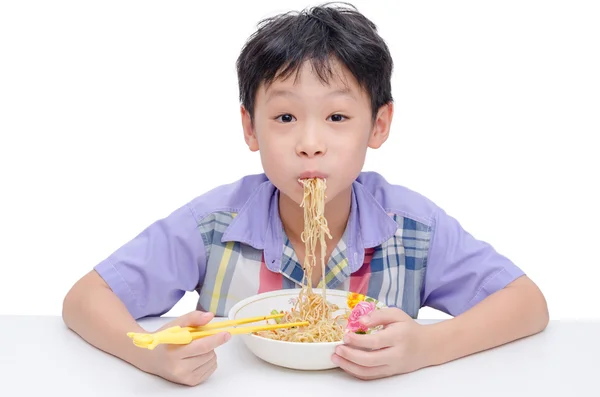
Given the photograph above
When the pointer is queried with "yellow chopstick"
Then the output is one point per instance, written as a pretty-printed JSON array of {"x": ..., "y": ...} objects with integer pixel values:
[
  {"x": 246, "y": 330},
  {"x": 222, "y": 324},
  {"x": 181, "y": 336}
]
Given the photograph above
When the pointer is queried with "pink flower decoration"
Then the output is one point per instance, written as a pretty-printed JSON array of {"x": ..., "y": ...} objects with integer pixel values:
[{"x": 361, "y": 309}]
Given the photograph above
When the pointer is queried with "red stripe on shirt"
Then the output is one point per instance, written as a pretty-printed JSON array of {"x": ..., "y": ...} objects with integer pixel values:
[
  {"x": 359, "y": 281},
  {"x": 268, "y": 280}
]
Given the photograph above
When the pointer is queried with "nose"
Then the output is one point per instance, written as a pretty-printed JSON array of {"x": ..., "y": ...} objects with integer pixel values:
[{"x": 310, "y": 144}]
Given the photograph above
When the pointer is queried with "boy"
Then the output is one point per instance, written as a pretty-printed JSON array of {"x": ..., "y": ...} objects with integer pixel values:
[{"x": 315, "y": 94}]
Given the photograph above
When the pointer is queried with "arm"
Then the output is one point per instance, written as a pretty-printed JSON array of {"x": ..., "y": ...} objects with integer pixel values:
[
  {"x": 491, "y": 300},
  {"x": 96, "y": 314},
  {"x": 514, "y": 312},
  {"x": 145, "y": 277}
]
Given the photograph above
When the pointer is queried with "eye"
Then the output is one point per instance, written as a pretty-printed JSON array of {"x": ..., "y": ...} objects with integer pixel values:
[
  {"x": 285, "y": 118},
  {"x": 337, "y": 118}
]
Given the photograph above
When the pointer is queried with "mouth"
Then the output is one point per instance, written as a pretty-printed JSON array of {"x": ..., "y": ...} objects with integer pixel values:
[{"x": 310, "y": 175}]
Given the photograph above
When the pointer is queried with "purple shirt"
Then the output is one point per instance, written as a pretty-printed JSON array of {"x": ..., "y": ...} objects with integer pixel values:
[{"x": 229, "y": 244}]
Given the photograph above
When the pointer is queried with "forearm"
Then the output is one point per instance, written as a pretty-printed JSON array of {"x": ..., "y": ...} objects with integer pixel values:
[
  {"x": 96, "y": 314},
  {"x": 517, "y": 311}
]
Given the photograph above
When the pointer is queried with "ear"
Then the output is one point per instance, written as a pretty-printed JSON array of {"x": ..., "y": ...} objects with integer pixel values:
[
  {"x": 381, "y": 126},
  {"x": 249, "y": 132}
]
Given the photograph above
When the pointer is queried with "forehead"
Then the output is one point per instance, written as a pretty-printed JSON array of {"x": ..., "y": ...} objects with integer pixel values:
[{"x": 332, "y": 81}]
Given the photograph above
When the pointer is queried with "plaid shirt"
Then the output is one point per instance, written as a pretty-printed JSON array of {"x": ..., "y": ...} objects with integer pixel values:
[{"x": 229, "y": 244}]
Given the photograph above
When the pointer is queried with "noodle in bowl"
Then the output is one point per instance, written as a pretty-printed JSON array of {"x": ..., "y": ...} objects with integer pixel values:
[{"x": 288, "y": 354}]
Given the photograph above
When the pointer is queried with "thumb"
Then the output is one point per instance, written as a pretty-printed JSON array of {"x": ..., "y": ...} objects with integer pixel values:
[
  {"x": 193, "y": 319},
  {"x": 385, "y": 317}
]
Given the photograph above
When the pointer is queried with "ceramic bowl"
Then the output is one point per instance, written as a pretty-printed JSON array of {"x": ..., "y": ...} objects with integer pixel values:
[{"x": 294, "y": 355}]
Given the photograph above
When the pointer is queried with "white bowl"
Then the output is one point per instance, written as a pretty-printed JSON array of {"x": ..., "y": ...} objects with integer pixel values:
[{"x": 294, "y": 355}]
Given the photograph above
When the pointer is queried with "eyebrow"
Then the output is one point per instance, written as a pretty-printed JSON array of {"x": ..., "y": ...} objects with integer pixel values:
[{"x": 287, "y": 93}]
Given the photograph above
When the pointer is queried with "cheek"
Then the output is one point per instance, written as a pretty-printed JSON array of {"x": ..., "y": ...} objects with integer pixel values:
[
  {"x": 272, "y": 151},
  {"x": 351, "y": 151},
  {"x": 268, "y": 140},
  {"x": 274, "y": 159},
  {"x": 274, "y": 145}
]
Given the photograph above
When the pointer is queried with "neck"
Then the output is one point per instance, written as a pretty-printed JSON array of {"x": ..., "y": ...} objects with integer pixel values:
[{"x": 337, "y": 212}]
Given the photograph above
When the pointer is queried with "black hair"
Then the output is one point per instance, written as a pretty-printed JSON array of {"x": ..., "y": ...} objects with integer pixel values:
[{"x": 319, "y": 34}]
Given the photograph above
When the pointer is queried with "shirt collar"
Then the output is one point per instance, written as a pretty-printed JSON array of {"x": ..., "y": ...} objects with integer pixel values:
[{"x": 258, "y": 224}]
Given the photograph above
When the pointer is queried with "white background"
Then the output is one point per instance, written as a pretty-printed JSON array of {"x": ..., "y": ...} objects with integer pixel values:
[{"x": 115, "y": 113}]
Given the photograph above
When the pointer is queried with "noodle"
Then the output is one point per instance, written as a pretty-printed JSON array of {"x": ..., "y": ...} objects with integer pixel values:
[{"x": 311, "y": 307}]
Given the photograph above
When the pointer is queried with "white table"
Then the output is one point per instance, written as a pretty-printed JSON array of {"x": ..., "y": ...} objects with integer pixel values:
[{"x": 562, "y": 361}]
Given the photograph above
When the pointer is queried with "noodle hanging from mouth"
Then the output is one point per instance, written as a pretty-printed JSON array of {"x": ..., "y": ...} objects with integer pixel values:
[{"x": 311, "y": 307}]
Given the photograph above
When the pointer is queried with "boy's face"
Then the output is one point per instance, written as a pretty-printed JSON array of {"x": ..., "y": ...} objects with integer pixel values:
[{"x": 307, "y": 128}]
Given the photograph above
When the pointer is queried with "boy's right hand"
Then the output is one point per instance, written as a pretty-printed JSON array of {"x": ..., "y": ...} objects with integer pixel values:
[{"x": 189, "y": 364}]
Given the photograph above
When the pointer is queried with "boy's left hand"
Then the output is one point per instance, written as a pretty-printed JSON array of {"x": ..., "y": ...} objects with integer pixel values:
[{"x": 396, "y": 349}]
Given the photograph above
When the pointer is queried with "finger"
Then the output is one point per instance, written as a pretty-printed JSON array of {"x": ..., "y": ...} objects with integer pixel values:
[
  {"x": 196, "y": 318},
  {"x": 196, "y": 362},
  {"x": 207, "y": 365},
  {"x": 195, "y": 376},
  {"x": 203, "y": 373},
  {"x": 191, "y": 319},
  {"x": 375, "y": 341},
  {"x": 384, "y": 317},
  {"x": 364, "y": 358},
  {"x": 205, "y": 345},
  {"x": 359, "y": 371}
]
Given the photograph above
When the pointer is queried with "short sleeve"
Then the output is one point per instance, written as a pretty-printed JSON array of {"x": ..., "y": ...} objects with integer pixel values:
[
  {"x": 152, "y": 272},
  {"x": 461, "y": 270}
]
